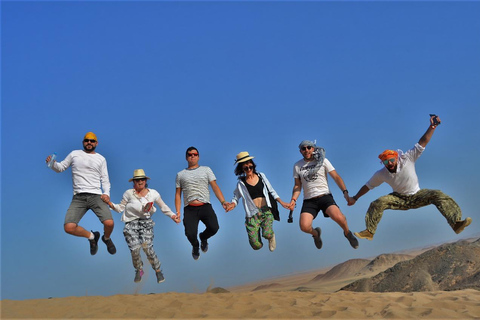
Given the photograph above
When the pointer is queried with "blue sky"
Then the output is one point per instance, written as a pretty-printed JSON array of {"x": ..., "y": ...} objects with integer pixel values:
[{"x": 153, "y": 78}]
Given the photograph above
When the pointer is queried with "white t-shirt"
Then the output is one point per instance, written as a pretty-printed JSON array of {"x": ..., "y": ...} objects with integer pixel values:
[
  {"x": 405, "y": 180},
  {"x": 89, "y": 172},
  {"x": 316, "y": 185},
  {"x": 194, "y": 184},
  {"x": 132, "y": 205}
]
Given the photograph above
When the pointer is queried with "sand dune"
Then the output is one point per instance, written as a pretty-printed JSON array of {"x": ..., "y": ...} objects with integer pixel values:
[
  {"x": 306, "y": 295},
  {"x": 463, "y": 304}
]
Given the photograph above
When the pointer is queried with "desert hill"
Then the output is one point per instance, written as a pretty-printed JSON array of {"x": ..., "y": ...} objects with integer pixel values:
[{"x": 452, "y": 266}]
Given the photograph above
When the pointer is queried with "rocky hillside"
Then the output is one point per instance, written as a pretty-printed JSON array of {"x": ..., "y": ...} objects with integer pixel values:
[{"x": 453, "y": 266}]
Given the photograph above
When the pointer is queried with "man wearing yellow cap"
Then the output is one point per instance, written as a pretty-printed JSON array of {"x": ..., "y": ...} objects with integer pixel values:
[
  {"x": 399, "y": 173},
  {"x": 91, "y": 187}
]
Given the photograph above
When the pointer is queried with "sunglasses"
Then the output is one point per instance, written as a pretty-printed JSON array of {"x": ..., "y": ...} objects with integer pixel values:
[
  {"x": 138, "y": 180},
  {"x": 89, "y": 140},
  {"x": 306, "y": 148},
  {"x": 247, "y": 168},
  {"x": 391, "y": 160},
  {"x": 192, "y": 154}
]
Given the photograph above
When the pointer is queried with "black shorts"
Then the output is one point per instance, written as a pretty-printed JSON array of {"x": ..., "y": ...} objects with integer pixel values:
[{"x": 314, "y": 205}]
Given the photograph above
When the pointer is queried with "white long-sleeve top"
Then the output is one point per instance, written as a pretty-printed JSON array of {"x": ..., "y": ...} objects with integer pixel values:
[
  {"x": 242, "y": 192},
  {"x": 132, "y": 205},
  {"x": 89, "y": 172}
]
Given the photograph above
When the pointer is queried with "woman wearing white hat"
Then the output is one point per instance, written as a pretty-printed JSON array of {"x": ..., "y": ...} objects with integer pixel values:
[
  {"x": 137, "y": 206},
  {"x": 255, "y": 188}
]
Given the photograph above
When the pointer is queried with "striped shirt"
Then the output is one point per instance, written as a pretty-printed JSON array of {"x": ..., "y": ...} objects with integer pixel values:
[{"x": 194, "y": 184}]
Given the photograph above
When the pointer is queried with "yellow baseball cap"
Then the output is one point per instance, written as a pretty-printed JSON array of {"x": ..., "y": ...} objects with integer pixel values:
[{"x": 90, "y": 135}]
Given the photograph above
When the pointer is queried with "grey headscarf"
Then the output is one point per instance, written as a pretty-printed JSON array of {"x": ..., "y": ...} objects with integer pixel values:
[{"x": 318, "y": 155}]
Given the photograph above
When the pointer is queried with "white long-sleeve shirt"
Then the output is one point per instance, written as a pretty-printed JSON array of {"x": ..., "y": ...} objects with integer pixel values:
[
  {"x": 242, "y": 192},
  {"x": 132, "y": 205},
  {"x": 89, "y": 172}
]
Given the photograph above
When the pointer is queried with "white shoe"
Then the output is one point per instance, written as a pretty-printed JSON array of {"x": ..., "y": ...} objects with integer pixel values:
[{"x": 272, "y": 244}]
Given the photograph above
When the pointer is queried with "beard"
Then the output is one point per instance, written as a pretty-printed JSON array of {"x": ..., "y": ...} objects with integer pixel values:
[{"x": 89, "y": 148}]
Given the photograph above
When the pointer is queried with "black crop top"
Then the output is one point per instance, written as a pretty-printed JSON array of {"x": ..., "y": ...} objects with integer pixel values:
[{"x": 255, "y": 191}]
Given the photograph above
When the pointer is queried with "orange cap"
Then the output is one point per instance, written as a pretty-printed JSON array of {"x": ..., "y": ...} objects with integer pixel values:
[{"x": 90, "y": 135}]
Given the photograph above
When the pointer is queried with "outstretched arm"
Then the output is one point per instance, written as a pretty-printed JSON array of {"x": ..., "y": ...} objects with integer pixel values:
[
  {"x": 340, "y": 183},
  {"x": 360, "y": 193},
  {"x": 218, "y": 193},
  {"x": 297, "y": 188},
  {"x": 425, "y": 139}
]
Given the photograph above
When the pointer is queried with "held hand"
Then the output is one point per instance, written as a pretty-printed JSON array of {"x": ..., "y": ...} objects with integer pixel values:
[
  {"x": 291, "y": 206},
  {"x": 105, "y": 198},
  {"x": 351, "y": 201},
  {"x": 176, "y": 218},
  {"x": 230, "y": 206},
  {"x": 285, "y": 205},
  {"x": 225, "y": 205}
]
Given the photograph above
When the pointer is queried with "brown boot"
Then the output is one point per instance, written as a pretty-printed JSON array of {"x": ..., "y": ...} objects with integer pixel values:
[
  {"x": 365, "y": 234},
  {"x": 462, "y": 224}
]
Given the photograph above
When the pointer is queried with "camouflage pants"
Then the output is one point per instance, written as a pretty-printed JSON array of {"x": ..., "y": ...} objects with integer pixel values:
[
  {"x": 261, "y": 222},
  {"x": 139, "y": 234},
  {"x": 396, "y": 201}
]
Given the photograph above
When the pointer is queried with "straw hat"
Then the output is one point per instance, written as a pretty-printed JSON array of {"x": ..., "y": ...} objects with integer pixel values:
[
  {"x": 138, "y": 174},
  {"x": 242, "y": 157}
]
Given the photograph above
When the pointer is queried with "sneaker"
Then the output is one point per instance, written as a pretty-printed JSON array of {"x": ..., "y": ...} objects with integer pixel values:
[
  {"x": 365, "y": 234},
  {"x": 317, "y": 239},
  {"x": 351, "y": 238},
  {"x": 204, "y": 245},
  {"x": 272, "y": 243},
  {"x": 138, "y": 275},
  {"x": 94, "y": 243},
  {"x": 110, "y": 246},
  {"x": 160, "y": 277},
  {"x": 195, "y": 253},
  {"x": 460, "y": 225}
]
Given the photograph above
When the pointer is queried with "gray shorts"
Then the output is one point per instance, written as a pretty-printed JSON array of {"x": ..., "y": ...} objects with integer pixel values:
[{"x": 82, "y": 202}]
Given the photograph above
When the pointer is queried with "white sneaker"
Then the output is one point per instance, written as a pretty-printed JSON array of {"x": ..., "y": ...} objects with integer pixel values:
[{"x": 272, "y": 244}]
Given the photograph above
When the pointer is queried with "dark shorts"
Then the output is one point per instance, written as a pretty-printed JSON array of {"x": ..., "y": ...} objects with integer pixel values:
[
  {"x": 314, "y": 205},
  {"x": 82, "y": 202}
]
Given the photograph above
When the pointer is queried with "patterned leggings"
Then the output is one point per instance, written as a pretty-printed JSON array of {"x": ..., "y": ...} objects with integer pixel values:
[
  {"x": 395, "y": 201},
  {"x": 139, "y": 234},
  {"x": 262, "y": 220}
]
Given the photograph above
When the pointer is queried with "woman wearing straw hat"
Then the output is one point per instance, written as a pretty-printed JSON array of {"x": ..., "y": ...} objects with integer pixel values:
[
  {"x": 137, "y": 206},
  {"x": 254, "y": 188}
]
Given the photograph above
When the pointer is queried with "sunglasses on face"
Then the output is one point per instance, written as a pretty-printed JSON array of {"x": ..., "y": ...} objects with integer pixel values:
[
  {"x": 247, "y": 168},
  {"x": 391, "y": 160},
  {"x": 89, "y": 140},
  {"x": 193, "y": 154},
  {"x": 306, "y": 148},
  {"x": 138, "y": 180}
]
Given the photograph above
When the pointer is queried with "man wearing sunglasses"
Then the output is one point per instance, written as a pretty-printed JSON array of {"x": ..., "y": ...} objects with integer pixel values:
[
  {"x": 90, "y": 177},
  {"x": 193, "y": 182},
  {"x": 310, "y": 173},
  {"x": 399, "y": 173}
]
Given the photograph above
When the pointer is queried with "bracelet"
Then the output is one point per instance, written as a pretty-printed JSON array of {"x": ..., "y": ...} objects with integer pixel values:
[
  {"x": 294, "y": 200},
  {"x": 222, "y": 202},
  {"x": 345, "y": 191}
]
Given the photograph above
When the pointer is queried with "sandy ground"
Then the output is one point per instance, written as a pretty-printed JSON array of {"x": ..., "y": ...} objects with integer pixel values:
[
  {"x": 296, "y": 296},
  {"x": 464, "y": 304}
]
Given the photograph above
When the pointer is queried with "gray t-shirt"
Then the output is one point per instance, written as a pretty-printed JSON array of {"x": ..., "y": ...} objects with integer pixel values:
[{"x": 194, "y": 184}]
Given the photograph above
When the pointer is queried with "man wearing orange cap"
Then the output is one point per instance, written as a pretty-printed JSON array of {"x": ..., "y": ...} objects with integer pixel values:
[
  {"x": 399, "y": 173},
  {"x": 90, "y": 177}
]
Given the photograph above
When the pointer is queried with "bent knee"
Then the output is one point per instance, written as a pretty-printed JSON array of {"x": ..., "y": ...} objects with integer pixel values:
[
  {"x": 108, "y": 223},
  {"x": 69, "y": 228}
]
